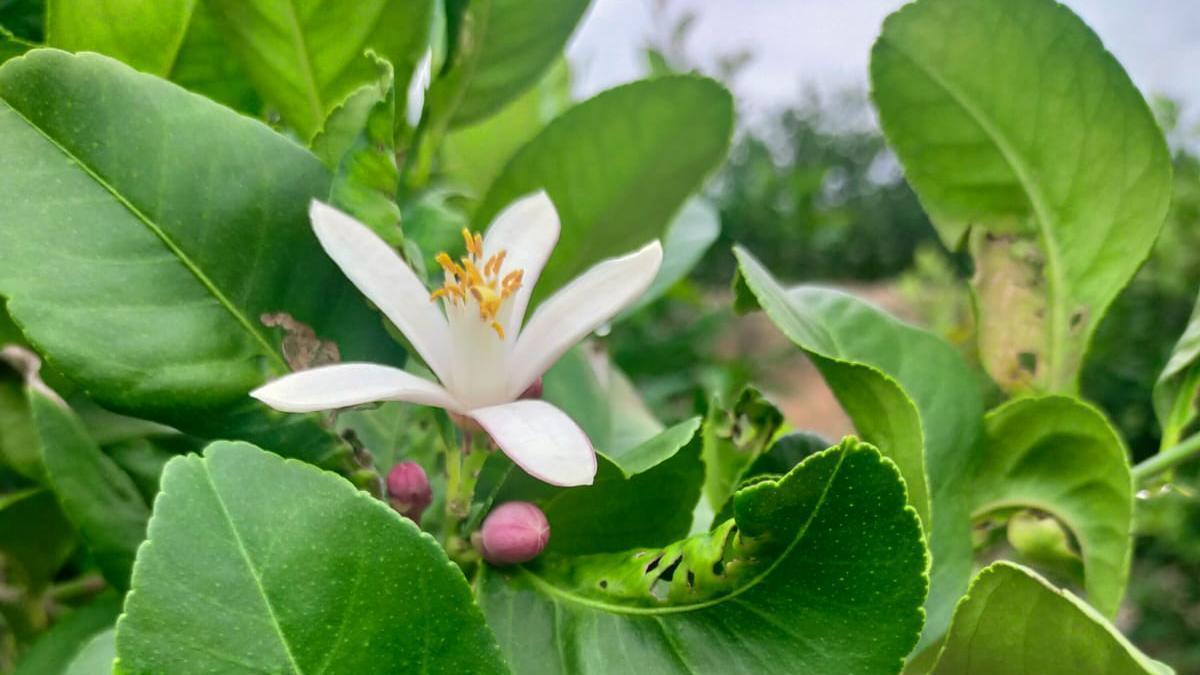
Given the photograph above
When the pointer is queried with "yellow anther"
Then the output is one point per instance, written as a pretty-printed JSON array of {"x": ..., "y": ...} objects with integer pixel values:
[
  {"x": 465, "y": 280},
  {"x": 470, "y": 242}
]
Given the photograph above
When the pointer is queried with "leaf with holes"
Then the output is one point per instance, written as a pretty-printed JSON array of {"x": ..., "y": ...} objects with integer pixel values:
[
  {"x": 642, "y": 496},
  {"x": 821, "y": 571},
  {"x": 908, "y": 392},
  {"x": 502, "y": 48},
  {"x": 1060, "y": 456},
  {"x": 1025, "y": 140},
  {"x": 1012, "y": 620},
  {"x": 99, "y": 499},
  {"x": 734, "y": 437},
  {"x": 640, "y": 149},
  {"x": 257, "y": 564},
  {"x": 167, "y": 248}
]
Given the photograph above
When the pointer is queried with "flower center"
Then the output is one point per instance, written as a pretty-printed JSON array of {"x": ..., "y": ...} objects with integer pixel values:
[{"x": 476, "y": 279}]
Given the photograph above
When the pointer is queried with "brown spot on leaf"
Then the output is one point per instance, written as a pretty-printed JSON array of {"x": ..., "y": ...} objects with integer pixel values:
[{"x": 301, "y": 347}]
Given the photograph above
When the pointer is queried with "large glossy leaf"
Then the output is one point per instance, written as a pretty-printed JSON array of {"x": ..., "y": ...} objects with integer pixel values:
[
  {"x": 822, "y": 572},
  {"x": 1013, "y": 621},
  {"x": 306, "y": 56},
  {"x": 206, "y": 65},
  {"x": 642, "y": 496},
  {"x": 503, "y": 47},
  {"x": 99, "y": 498},
  {"x": 1175, "y": 393},
  {"x": 1024, "y": 138},
  {"x": 145, "y": 35},
  {"x": 909, "y": 393},
  {"x": 618, "y": 167},
  {"x": 258, "y": 564},
  {"x": 167, "y": 247},
  {"x": 472, "y": 156},
  {"x": 1059, "y": 455},
  {"x": 57, "y": 647}
]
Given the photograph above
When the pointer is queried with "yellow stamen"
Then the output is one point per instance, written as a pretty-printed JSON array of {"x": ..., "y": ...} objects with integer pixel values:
[{"x": 487, "y": 287}]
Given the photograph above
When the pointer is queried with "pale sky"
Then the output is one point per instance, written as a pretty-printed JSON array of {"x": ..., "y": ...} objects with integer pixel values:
[{"x": 826, "y": 43}]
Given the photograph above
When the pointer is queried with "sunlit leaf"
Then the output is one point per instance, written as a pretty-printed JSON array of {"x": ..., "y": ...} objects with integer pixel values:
[
  {"x": 1013, "y": 621},
  {"x": 1026, "y": 142},
  {"x": 1060, "y": 455}
]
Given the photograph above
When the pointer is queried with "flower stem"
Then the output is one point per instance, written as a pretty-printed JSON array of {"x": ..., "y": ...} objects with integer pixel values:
[
  {"x": 1167, "y": 459},
  {"x": 463, "y": 465}
]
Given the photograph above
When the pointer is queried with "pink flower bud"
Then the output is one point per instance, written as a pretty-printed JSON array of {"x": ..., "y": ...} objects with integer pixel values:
[
  {"x": 408, "y": 490},
  {"x": 514, "y": 532},
  {"x": 534, "y": 390}
]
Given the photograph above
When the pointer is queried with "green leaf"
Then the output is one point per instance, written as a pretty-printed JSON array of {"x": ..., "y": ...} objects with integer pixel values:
[
  {"x": 144, "y": 458},
  {"x": 1175, "y": 393},
  {"x": 641, "y": 497},
  {"x": 503, "y": 48},
  {"x": 167, "y": 246},
  {"x": 1060, "y": 456},
  {"x": 97, "y": 497},
  {"x": 1013, "y": 621},
  {"x": 96, "y": 657},
  {"x": 1025, "y": 139},
  {"x": 733, "y": 438},
  {"x": 57, "y": 647},
  {"x": 688, "y": 237},
  {"x": 255, "y": 563},
  {"x": 586, "y": 385},
  {"x": 366, "y": 179},
  {"x": 822, "y": 572},
  {"x": 18, "y": 439},
  {"x": 145, "y": 35},
  {"x": 640, "y": 150},
  {"x": 306, "y": 56},
  {"x": 35, "y": 538},
  {"x": 11, "y": 45},
  {"x": 909, "y": 393},
  {"x": 472, "y": 156},
  {"x": 206, "y": 65}
]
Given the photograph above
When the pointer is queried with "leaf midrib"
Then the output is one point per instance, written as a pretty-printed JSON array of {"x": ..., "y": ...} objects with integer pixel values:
[
  {"x": 254, "y": 574},
  {"x": 174, "y": 248},
  {"x": 1037, "y": 201},
  {"x": 301, "y": 46},
  {"x": 558, "y": 594}
]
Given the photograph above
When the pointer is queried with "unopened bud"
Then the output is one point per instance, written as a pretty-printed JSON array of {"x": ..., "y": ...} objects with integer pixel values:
[
  {"x": 534, "y": 390},
  {"x": 408, "y": 490},
  {"x": 514, "y": 532}
]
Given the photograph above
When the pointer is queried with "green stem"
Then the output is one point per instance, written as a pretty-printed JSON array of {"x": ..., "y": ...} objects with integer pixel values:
[
  {"x": 462, "y": 472},
  {"x": 1167, "y": 459}
]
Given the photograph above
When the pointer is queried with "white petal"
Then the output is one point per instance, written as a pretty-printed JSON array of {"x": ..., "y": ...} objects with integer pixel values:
[
  {"x": 349, "y": 384},
  {"x": 542, "y": 440},
  {"x": 577, "y": 309},
  {"x": 386, "y": 279},
  {"x": 528, "y": 230}
]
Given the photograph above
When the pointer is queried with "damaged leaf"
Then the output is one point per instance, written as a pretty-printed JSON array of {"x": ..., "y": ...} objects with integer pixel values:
[
  {"x": 733, "y": 438},
  {"x": 821, "y": 571},
  {"x": 1024, "y": 138}
]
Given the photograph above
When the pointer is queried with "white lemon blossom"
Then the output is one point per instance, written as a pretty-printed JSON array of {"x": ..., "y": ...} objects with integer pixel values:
[{"x": 478, "y": 348}]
